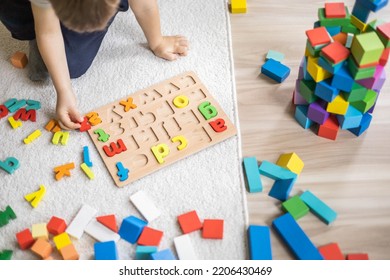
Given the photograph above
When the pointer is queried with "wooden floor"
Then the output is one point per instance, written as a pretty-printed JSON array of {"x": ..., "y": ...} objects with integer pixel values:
[{"x": 351, "y": 174}]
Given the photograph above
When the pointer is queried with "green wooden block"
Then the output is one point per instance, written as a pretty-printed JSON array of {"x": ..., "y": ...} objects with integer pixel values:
[
  {"x": 313, "y": 51},
  {"x": 367, "y": 102},
  {"x": 307, "y": 89},
  {"x": 296, "y": 207},
  {"x": 371, "y": 26},
  {"x": 5, "y": 255},
  {"x": 6, "y": 215},
  {"x": 350, "y": 28},
  {"x": 332, "y": 22},
  {"x": 367, "y": 48},
  {"x": 385, "y": 41},
  {"x": 360, "y": 73},
  {"x": 357, "y": 93}
]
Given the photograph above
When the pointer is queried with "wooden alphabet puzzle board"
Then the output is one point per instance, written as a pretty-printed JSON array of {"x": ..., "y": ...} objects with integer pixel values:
[{"x": 157, "y": 126}]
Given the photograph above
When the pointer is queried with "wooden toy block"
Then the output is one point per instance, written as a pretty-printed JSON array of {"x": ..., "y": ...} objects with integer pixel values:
[
  {"x": 63, "y": 170},
  {"x": 93, "y": 118},
  {"x": 56, "y": 225},
  {"x": 86, "y": 158},
  {"x": 16, "y": 105},
  {"x": 14, "y": 124},
  {"x": 359, "y": 73},
  {"x": 275, "y": 70},
  {"x": 6, "y": 255},
  {"x": 25, "y": 115},
  {"x": 341, "y": 38},
  {"x": 131, "y": 229},
  {"x": 252, "y": 175},
  {"x": 325, "y": 91},
  {"x": 42, "y": 248},
  {"x": 327, "y": 65},
  {"x": 123, "y": 173},
  {"x": 296, "y": 207},
  {"x": 357, "y": 256},
  {"x": 238, "y": 6},
  {"x": 40, "y": 231},
  {"x": 114, "y": 148},
  {"x": 62, "y": 240},
  {"x": 60, "y": 137},
  {"x": 295, "y": 238},
  {"x": 144, "y": 252},
  {"x": 318, "y": 207},
  {"x": 317, "y": 72},
  {"x": 331, "y": 22},
  {"x": 335, "y": 10},
  {"x": 376, "y": 82},
  {"x": 25, "y": 239},
  {"x": 317, "y": 112},
  {"x": 3, "y": 111},
  {"x": 36, "y": 197},
  {"x": 281, "y": 188},
  {"x": 301, "y": 116},
  {"x": 19, "y": 60},
  {"x": 7, "y": 215},
  {"x": 351, "y": 119},
  {"x": 358, "y": 23},
  {"x": 338, "y": 106},
  {"x": 373, "y": 5},
  {"x": 331, "y": 251},
  {"x": 156, "y": 117},
  {"x": 85, "y": 125},
  {"x": 298, "y": 99},
  {"x": 334, "y": 30},
  {"x": 367, "y": 102},
  {"x": 275, "y": 172},
  {"x": 160, "y": 152},
  {"x": 150, "y": 237},
  {"x": 259, "y": 242},
  {"x": 164, "y": 255},
  {"x": 87, "y": 171},
  {"x": 361, "y": 12},
  {"x": 358, "y": 92},
  {"x": 128, "y": 105},
  {"x": 384, "y": 34},
  {"x": 184, "y": 248},
  {"x": 335, "y": 52},
  {"x": 329, "y": 129},
  {"x": 181, "y": 101},
  {"x": 318, "y": 36},
  {"x": 382, "y": 61},
  {"x": 100, "y": 232},
  {"x": 145, "y": 206},
  {"x": 10, "y": 102},
  {"x": 343, "y": 80},
  {"x": 275, "y": 55},
  {"x": 216, "y": 125},
  {"x": 189, "y": 222},
  {"x": 33, "y": 105},
  {"x": 292, "y": 162},
  {"x": 364, "y": 125},
  {"x": 109, "y": 221},
  {"x": 350, "y": 37},
  {"x": 212, "y": 229},
  {"x": 33, "y": 136},
  {"x": 53, "y": 126},
  {"x": 367, "y": 48},
  {"x": 9, "y": 165},
  {"x": 69, "y": 252},
  {"x": 80, "y": 221},
  {"x": 102, "y": 135},
  {"x": 106, "y": 250}
]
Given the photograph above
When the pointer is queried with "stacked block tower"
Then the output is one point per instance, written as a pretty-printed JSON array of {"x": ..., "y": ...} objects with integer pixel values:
[{"x": 342, "y": 73}]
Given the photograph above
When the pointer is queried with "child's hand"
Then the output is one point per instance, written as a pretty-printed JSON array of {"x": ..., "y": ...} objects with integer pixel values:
[
  {"x": 171, "y": 47},
  {"x": 68, "y": 115}
]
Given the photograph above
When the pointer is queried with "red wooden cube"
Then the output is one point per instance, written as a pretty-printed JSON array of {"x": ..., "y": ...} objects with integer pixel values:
[
  {"x": 150, "y": 237},
  {"x": 25, "y": 239},
  {"x": 329, "y": 129},
  {"x": 335, "y": 10},
  {"x": 335, "y": 52},
  {"x": 189, "y": 222},
  {"x": 359, "y": 256},
  {"x": 318, "y": 36},
  {"x": 331, "y": 252},
  {"x": 56, "y": 225},
  {"x": 212, "y": 229}
]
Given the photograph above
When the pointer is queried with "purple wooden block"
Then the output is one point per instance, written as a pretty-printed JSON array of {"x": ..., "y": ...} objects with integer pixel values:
[
  {"x": 298, "y": 99},
  {"x": 380, "y": 82},
  {"x": 301, "y": 72},
  {"x": 317, "y": 113},
  {"x": 376, "y": 80}
]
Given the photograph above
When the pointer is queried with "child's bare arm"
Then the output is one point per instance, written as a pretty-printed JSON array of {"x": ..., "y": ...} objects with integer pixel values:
[
  {"x": 51, "y": 46},
  {"x": 148, "y": 17}
]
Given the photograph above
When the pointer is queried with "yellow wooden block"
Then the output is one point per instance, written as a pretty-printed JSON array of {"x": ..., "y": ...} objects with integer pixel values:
[
  {"x": 291, "y": 162},
  {"x": 182, "y": 140},
  {"x": 32, "y": 137},
  {"x": 40, "y": 231},
  {"x": 36, "y": 197},
  {"x": 62, "y": 240},
  {"x": 13, "y": 123},
  {"x": 160, "y": 152},
  {"x": 87, "y": 171},
  {"x": 60, "y": 137},
  {"x": 358, "y": 23},
  {"x": 317, "y": 72},
  {"x": 338, "y": 106},
  {"x": 238, "y": 6},
  {"x": 181, "y": 101}
]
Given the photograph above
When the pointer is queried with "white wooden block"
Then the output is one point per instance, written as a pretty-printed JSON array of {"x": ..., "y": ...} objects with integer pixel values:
[
  {"x": 80, "y": 222},
  {"x": 145, "y": 205},
  {"x": 100, "y": 232},
  {"x": 184, "y": 247}
]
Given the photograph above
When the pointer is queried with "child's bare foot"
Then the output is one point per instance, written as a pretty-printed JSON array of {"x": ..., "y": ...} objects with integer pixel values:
[{"x": 171, "y": 47}]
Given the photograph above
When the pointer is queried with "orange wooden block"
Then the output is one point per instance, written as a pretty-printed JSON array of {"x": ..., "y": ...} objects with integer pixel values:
[
  {"x": 63, "y": 170},
  {"x": 331, "y": 252},
  {"x": 335, "y": 52},
  {"x": 335, "y": 10},
  {"x": 42, "y": 248},
  {"x": 69, "y": 253},
  {"x": 341, "y": 38},
  {"x": 19, "y": 60},
  {"x": 53, "y": 126},
  {"x": 212, "y": 229},
  {"x": 359, "y": 256},
  {"x": 150, "y": 237},
  {"x": 318, "y": 36},
  {"x": 189, "y": 222},
  {"x": 108, "y": 221},
  {"x": 329, "y": 129}
]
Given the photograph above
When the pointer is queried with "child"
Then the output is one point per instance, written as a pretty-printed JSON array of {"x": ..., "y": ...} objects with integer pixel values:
[{"x": 68, "y": 35}]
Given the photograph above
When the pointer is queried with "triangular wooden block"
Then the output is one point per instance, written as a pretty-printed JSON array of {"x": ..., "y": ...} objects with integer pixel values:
[{"x": 109, "y": 221}]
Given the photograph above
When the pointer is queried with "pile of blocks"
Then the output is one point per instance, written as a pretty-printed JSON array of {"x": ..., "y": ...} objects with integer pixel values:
[{"x": 342, "y": 73}]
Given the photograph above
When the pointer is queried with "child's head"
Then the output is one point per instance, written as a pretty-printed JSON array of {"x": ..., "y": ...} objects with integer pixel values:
[{"x": 85, "y": 15}]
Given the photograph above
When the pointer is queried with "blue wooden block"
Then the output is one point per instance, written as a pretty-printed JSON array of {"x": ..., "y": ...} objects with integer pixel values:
[
  {"x": 318, "y": 207},
  {"x": 351, "y": 119},
  {"x": 332, "y": 68},
  {"x": 9, "y": 165},
  {"x": 17, "y": 105},
  {"x": 10, "y": 102},
  {"x": 373, "y": 5},
  {"x": 275, "y": 70},
  {"x": 306, "y": 74},
  {"x": 144, "y": 252},
  {"x": 252, "y": 174},
  {"x": 333, "y": 30},
  {"x": 301, "y": 116},
  {"x": 259, "y": 243},
  {"x": 275, "y": 55},
  {"x": 163, "y": 255},
  {"x": 281, "y": 188},
  {"x": 364, "y": 124},
  {"x": 296, "y": 239},
  {"x": 131, "y": 228},
  {"x": 33, "y": 105},
  {"x": 274, "y": 171},
  {"x": 325, "y": 91},
  {"x": 360, "y": 11},
  {"x": 105, "y": 250},
  {"x": 342, "y": 79},
  {"x": 86, "y": 158}
]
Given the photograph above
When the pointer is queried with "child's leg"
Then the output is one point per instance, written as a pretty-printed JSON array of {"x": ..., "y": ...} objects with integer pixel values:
[{"x": 81, "y": 48}]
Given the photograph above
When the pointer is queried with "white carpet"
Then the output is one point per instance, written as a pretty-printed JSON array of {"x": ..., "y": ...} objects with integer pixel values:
[{"x": 209, "y": 182}]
